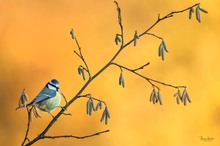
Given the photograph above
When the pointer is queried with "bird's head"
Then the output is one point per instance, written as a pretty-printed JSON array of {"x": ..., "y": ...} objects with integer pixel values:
[{"x": 53, "y": 85}]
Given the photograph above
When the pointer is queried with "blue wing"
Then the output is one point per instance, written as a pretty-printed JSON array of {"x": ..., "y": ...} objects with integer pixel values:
[{"x": 43, "y": 95}]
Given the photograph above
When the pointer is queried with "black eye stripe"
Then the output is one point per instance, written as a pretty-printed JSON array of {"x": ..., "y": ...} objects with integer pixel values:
[{"x": 53, "y": 86}]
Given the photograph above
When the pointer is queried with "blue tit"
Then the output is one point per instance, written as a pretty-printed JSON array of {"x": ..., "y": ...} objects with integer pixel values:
[{"x": 49, "y": 97}]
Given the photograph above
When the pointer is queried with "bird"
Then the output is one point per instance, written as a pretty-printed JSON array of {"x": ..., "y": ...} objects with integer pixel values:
[{"x": 49, "y": 97}]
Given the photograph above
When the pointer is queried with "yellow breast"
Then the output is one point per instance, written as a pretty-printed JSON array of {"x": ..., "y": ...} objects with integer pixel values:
[{"x": 50, "y": 104}]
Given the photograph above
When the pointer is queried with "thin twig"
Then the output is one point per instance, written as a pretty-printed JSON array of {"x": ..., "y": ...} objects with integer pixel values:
[
  {"x": 67, "y": 114},
  {"x": 141, "y": 67},
  {"x": 148, "y": 79},
  {"x": 171, "y": 14},
  {"x": 120, "y": 23},
  {"x": 89, "y": 95},
  {"x": 82, "y": 58},
  {"x": 73, "y": 136},
  {"x": 154, "y": 35},
  {"x": 28, "y": 126},
  {"x": 64, "y": 97}
]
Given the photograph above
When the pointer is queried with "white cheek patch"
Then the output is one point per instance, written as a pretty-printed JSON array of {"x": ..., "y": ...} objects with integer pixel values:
[{"x": 52, "y": 87}]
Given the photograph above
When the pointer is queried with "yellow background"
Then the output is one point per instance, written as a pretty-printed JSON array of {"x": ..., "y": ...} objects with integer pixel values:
[{"x": 35, "y": 46}]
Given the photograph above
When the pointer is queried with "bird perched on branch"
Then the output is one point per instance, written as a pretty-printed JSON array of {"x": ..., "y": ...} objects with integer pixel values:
[{"x": 49, "y": 97}]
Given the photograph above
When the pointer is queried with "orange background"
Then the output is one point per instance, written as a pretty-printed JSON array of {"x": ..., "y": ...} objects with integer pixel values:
[{"x": 35, "y": 46}]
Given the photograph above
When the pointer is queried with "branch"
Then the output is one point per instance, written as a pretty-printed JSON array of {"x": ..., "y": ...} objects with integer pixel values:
[
  {"x": 148, "y": 79},
  {"x": 171, "y": 14},
  {"x": 142, "y": 67},
  {"x": 82, "y": 58},
  {"x": 120, "y": 22},
  {"x": 91, "y": 78},
  {"x": 154, "y": 35},
  {"x": 28, "y": 127},
  {"x": 89, "y": 96},
  {"x": 73, "y": 136},
  {"x": 64, "y": 97}
]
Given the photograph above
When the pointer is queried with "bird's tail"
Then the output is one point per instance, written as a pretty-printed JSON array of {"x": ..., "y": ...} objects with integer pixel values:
[
  {"x": 29, "y": 104},
  {"x": 20, "y": 107}
]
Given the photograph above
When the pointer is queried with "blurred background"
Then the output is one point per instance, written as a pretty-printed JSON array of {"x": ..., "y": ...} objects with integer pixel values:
[{"x": 35, "y": 46}]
